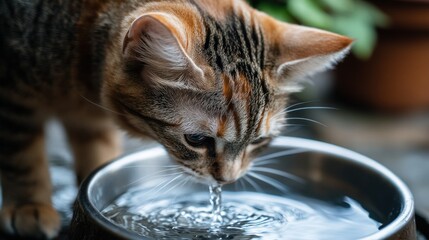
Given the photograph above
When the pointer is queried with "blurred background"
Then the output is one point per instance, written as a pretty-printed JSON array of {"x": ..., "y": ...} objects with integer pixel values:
[
  {"x": 375, "y": 102},
  {"x": 380, "y": 92}
]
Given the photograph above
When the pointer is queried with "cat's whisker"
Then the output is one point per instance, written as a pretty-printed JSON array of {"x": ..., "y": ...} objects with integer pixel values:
[
  {"x": 265, "y": 162},
  {"x": 298, "y": 104},
  {"x": 168, "y": 183},
  {"x": 101, "y": 106},
  {"x": 157, "y": 175},
  {"x": 253, "y": 184},
  {"x": 278, "y": 173},
  {"x": 289, "y": 125},
  {"x": 296, "y": 107},
  {"x": 310, "y": 108},
  {"x": 307, "y": 119},
  {"x": 188, "y": 178},
  {"x": 179, "y": 183},
  {"x": 276, "y": 184},
  {"x": 280, "y": 154},
  {"x": 183, "y": 183},
  {"x": 166, "y": 172},
  {"x": 280, "y": 114},
  {"x": 153, "y": 166},
  {"x": 153, "y": 190}
]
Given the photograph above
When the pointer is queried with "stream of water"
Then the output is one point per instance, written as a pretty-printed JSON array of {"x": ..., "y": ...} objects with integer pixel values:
[{"x": 216, "y": 204}]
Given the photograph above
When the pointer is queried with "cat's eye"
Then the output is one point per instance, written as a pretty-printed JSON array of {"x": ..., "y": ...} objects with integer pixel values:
[
  {"x": 260, "y": 140},
  {"x": 197, "y": 140}
]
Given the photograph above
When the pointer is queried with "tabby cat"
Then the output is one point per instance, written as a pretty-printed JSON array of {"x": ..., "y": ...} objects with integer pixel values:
[{"x": 208, "y": 79}]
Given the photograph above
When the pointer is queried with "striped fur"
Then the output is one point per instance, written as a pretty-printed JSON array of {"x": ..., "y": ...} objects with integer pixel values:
[{"x": 159, "y": 69}]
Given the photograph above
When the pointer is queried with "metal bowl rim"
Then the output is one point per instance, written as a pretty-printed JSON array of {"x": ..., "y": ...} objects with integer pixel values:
[{"x": 396, "y": 225}]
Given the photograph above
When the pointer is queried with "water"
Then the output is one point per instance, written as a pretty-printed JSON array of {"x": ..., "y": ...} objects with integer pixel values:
[
  {"x": 241, "y": 215},
  {"x": 216, "y": 204}
]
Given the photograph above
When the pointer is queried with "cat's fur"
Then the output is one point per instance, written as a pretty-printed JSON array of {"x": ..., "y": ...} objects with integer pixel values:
[{"x": 162, "y": 69}]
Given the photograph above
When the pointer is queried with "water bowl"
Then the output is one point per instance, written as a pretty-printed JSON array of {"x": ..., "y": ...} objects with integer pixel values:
[{"x": 297, "y": 189}]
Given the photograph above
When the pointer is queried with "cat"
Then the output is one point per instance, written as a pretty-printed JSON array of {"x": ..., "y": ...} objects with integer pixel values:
[{"x": 207, "y": 79}]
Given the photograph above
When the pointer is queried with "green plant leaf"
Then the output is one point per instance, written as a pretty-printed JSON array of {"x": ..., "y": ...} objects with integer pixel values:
[
  {"x": 364, "y": 34},
  {"x": 280, "y": 13},
  {"x": 339, "y": 5},
  {"x": 309, "y": 13},
  {"x": 372, "y": 14}
]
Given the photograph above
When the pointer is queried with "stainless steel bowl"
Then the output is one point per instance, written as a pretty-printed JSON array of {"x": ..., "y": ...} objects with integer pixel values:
[{"x": 323, "y": 166}]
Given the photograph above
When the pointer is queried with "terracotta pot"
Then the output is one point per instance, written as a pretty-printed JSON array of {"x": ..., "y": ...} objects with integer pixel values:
[{"x": 396, "y": 77}]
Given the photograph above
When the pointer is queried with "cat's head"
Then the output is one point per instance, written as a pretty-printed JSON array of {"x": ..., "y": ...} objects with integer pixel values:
[{"x": 209, "y": 80}]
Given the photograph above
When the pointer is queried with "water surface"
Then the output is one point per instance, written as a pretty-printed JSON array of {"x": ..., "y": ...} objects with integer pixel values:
[{"x": 240, "y": 215}]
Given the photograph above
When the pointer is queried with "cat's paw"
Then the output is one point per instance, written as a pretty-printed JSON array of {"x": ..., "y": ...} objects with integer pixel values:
[{"x": 38, "y": 221}]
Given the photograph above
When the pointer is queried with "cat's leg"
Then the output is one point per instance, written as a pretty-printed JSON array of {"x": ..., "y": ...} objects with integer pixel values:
[
  {"x": 25, "y": 181},
  {"x": 94, "y": 141}
]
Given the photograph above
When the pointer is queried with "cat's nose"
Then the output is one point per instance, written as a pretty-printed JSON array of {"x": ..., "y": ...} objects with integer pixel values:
[
  {"x": 222, "y": 180},
  {"x": 227, "y": 171}
]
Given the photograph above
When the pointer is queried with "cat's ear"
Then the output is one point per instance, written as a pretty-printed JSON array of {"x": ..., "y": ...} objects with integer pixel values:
[
  {"x": 301, "y": 51},
  {"x": 157, "y": 42}
]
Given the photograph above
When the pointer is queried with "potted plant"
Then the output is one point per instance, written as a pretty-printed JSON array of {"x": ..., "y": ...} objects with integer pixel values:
[
  {"x": 388, "y": 70},
  {"x": 396, "y": 77}
]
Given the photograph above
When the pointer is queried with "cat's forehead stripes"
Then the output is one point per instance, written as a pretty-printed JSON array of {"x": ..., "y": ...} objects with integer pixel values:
[
  {"x": 234, "y": 47},
  {"x": 231, "y": 91},
  {"x": 221, "y": 128},
  {"x": 231, "y": 42},
  {"x": 227, "y": 88}
]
